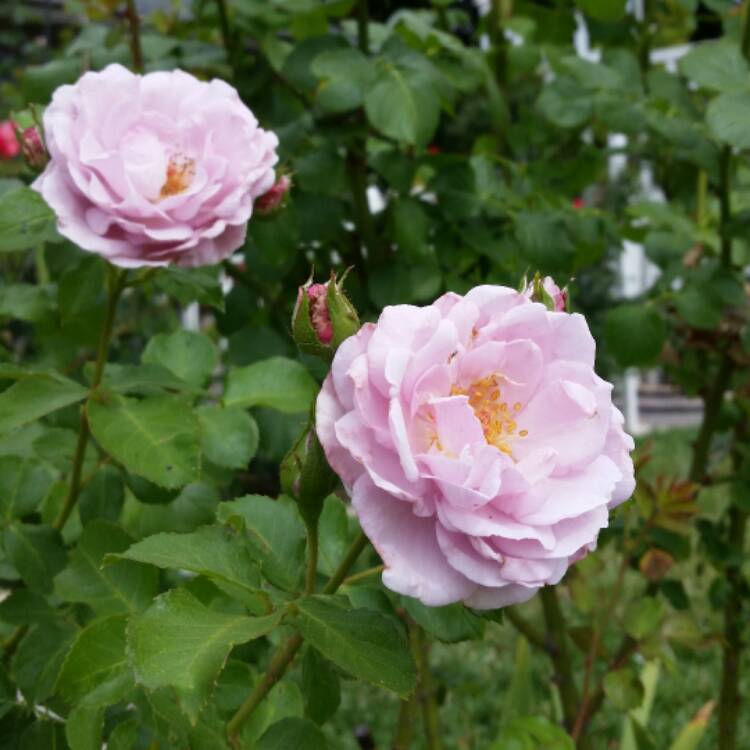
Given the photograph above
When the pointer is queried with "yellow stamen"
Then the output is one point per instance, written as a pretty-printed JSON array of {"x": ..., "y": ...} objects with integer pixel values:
[{"x": 180, "y": 174}]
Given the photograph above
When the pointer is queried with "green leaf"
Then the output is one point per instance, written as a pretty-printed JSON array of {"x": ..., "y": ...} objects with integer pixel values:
[
  {"x": 157, "y": 437},
  {"x": 410, "y": 227},
  {"x": 143, "y": 379},
  {"x": 25, "y": 220},
  {"x": 603, "y": 10},
  {"x": 24, "y": 482},
  {"x": 717, "y": 65},
  {"x": 450, "y": 624},
  {"x": 25, "y": 302},
  {"x": 103, "y": 496},
  {"x": 727, "y": 117},
  {"x": 623, "y": 688},
  {"x": 402, "y": 102},
  {"x": 191, "y": 356},
  {"x": 81, "y": 287},
  {"x": 96, "y": 670},
  {"x": 279, "y": 383},
  {"x": 177, "y": 642},
  {"x": 36, "y": 552},
  {"x": 24, "y": 607},
  {"x": 212, "y": 551},
  {"x": 699, "y": 306},
  {"x": 365, "y": 643},
  {"x": 293, "y": 734},
  {"x": 346, "y": 75},
  {"x": 333, "y": 534},
  {"x": 188, "y": 285},
  {"x": 643, "y": 617},
  {"x": 635, "y": 334},
  {"x": 320, "y": 686},
  {"x": 38, "y": 657},
  {"x": 36, "y": 395},
  {"x": 123, "y": 587},
  {"x": 124, "y": 736},
  {"x": 83, "y": 728},
  {"x": 230, "y": 436},
  {"x": 275, "y": 534},
  {"x": 565, "y": 103},
  {"x": 533, "y": 733}
]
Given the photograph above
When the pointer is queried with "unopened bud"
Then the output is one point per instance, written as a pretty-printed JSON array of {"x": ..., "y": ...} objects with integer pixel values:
[
  {"x": 546, "y": 291},
  {"x": 9, "y": 145},
  {"x": 306, "y": 475},
  {"x": 274, "y": 199},
  {"x": 323, "y": 317},
  {"x": 34, "y": 152}
]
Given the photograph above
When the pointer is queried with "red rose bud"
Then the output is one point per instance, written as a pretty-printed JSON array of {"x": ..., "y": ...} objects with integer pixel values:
[
  {"x": 9, "y": 145},
  {"x": 274, "y": 199},
  {"x": 323, "y": 317},
  {"x": 577, "y": 203},
  {"x": 34, "y": 152}
]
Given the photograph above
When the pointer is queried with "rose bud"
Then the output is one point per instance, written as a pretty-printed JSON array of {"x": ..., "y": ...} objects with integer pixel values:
[
  {"x": 9, "y": 145},
  {"x": 307, "y": 477},
  {"x": 548, "y": 293},
  {"x": 33, "y": 149},
  {"x": 323, "y": 317},
  {"x": 275, "y": 198},
  {"x": 482, "y": 452}
]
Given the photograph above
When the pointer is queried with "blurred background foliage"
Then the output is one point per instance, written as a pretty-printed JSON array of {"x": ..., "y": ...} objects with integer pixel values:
[{"x": 432, "y": 146}]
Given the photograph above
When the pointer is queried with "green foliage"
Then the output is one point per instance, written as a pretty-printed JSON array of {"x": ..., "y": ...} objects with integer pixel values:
[
  {"x": 190, "y": 663},
  {"x": 365, "y": 643},
  {"x": 144, "y": 612}
]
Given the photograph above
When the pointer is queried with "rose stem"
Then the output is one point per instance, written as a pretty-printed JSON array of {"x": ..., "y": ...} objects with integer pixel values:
[
  {"x": 312, "y": 557},
  {"x": 115, "y": 287},
  {"x": 403, "y": 735},
  {"x": 134, "y": 24},
  {"x": 525, "y": 628},
  {"x": 558, "y": 652},
  {"x": 425, "y": 688},
  {"x": 226, "y": 31},
  {"x": 285, "y": 655}
]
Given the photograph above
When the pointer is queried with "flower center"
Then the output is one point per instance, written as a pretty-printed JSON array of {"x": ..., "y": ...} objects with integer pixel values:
[
  {"x": 495, "y": 415},
  {"x": 180, "y": 173}
]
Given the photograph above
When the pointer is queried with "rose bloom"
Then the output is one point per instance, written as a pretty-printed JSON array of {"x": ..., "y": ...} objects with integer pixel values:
[
  {"x": 481, "y": 451},
  {"x": 155, "y": 169}
]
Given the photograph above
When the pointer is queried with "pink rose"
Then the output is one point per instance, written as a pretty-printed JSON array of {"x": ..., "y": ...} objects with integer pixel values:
[
  {"x": 481, "y": 450},
  {"x": 9, "y": 145},
  {"x": 155, "y": 169}
]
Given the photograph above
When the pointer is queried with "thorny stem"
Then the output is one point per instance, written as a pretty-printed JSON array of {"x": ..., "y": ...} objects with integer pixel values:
[
  {"x": 725, "y": 206},
  {"x": 285, "y": 655},
  {"x": 134, "y": 25}
]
